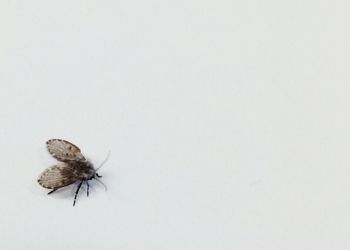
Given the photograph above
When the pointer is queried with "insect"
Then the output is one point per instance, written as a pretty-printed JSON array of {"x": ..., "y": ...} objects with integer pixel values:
[{"x": 74, "y": 167}]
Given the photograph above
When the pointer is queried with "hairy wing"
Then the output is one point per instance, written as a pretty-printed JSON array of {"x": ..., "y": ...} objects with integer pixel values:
[
  {"x": 64, "y": 151},
  {"x": 58, "y": 176}
]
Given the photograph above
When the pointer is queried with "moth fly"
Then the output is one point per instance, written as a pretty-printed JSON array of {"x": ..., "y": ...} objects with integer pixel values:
[{"x": 74, "y": 167}]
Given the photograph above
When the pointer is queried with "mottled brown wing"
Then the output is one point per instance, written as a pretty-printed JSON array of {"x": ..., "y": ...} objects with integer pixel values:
[
  {"x": 58, "y": 176},
  {"x": 64, "y": 151}
]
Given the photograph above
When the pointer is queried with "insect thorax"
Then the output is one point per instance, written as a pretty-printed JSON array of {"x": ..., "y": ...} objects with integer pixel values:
[{"x": 84, "y": 170}]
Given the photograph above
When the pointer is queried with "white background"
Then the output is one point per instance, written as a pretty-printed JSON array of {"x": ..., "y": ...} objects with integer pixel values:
[{"x": 228, "y": 123}]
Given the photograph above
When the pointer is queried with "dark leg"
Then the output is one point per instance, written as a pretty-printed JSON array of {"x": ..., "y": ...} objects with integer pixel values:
[
  {"x": 99, "y": 176},
  {"x": 88, "y": 187},
  {"x": 53, "y": 190},
  {"x": 76, "y": 192}
]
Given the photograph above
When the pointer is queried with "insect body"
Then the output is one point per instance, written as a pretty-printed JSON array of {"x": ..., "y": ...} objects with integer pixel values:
[{"x": 74, "y": 167}]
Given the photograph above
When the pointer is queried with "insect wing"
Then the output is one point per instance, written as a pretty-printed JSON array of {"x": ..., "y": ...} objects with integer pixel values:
[
  {"x": 58, "y": 176},
  {"x": 64, "y": 151}
]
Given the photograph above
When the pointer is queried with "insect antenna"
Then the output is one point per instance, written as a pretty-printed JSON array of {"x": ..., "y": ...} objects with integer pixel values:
[
  {"x": 109, "y": 153},
  {"x": 99, "y": 181}
]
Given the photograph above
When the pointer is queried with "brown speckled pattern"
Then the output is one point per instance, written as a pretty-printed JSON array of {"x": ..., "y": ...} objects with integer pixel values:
[{"x": 74, "y": 168}]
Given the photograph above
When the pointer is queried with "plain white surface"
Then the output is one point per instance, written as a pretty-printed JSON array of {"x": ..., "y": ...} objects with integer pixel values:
[{"x": 228, "y": 123}]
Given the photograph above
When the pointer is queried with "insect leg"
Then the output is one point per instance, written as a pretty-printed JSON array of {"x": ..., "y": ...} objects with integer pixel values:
[
  {"x": 53, "y": 190},
  {"x": 88, "y": 187},
  {"x": 76, "y": 192}
]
